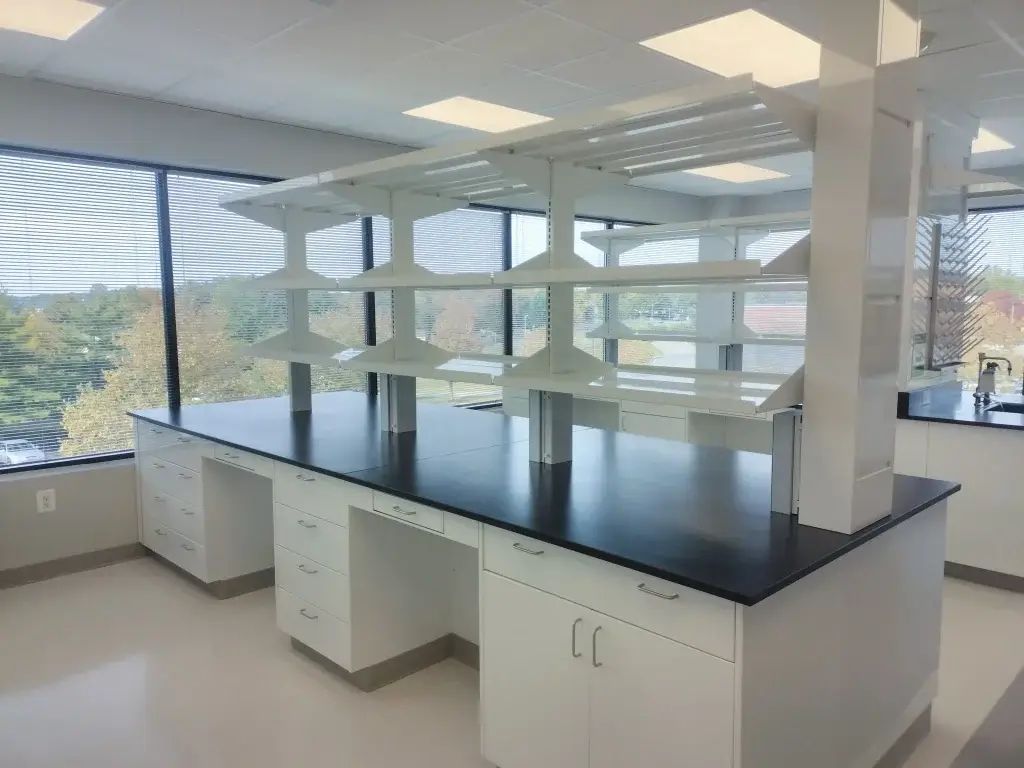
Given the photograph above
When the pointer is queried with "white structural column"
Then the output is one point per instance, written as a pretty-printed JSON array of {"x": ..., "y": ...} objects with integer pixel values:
[
  {"x": 714, "y": 310},
  {"x": 398, "y": 393},
  {"x": 300, "y": 376},
  {"x": 860, "y": 208}
]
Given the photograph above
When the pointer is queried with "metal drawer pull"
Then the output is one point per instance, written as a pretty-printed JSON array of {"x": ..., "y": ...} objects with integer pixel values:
[
  {"x": 188, "y": 547},
  {"x": 521, "y": 548},
  {"x": 593, "y": 649},
  {"x": 232, "y": 456},
  {"x": 187, "y": 512},
  {"x": 305, "y": 479},
  {"x": 184, "y": 439},
  {"x": 304, "y": 569},
  {"x": 575, "y": 624},
  {"x": 645, "y": 588},
  {"x": 159, "y": 466},
  {"x": 155, "y": 431},
  {"x": 159, "y": 531},
  {"x": 304, "y": 524},
  {"x": 401, "y": 511},
  {"x": 306, "y": 615},
  {"x": 160, "y": 499},
  {"x": 183, "y": 476}
]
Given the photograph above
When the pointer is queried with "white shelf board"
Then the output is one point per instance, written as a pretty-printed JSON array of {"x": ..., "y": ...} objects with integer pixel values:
[
  {"x": 304, "y": 347},
  {"x": 631, "y": 237},
  {"x": 292, "y": 279},
  {"x": 628, "y": 334},
  {"x": 727, "y": 120},
  {"x": 780, "y": 286},
  {"x": 385, "y": 278}
]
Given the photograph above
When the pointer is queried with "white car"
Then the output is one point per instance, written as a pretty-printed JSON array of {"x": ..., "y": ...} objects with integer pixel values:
[{"x": 19, "y": 452}]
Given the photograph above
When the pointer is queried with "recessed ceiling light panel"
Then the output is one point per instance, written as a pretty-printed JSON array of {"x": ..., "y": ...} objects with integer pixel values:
[
  {"x": 481, "y": 115},
  {"x": 742, "y": 43},
  {"x": 57, "y": 19},
  {"x": 989, "y": 142},
  {"x": 738, "y": 173}
]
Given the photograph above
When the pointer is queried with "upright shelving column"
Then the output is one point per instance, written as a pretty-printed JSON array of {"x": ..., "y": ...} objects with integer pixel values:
[{"x": 300, "y": 375}]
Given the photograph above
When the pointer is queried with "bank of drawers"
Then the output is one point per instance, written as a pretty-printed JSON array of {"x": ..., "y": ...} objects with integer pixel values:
[
  {"x": 172, "y": 479},
  {"x": 172, "y": 545},
  {"x": 174, "y": 513},
  {"x": 687, "y": 616}
]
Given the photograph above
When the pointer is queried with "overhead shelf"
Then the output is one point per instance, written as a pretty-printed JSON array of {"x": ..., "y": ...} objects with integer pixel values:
[
  {"x": 303, "y": 347},
  {"x": 291, "y": 278},
  {"x": 780, "y": 286},
  {"x": 386, "y": 278},
  {"x": 732, "y": 120},
  {"x": 624, "y": 332}
]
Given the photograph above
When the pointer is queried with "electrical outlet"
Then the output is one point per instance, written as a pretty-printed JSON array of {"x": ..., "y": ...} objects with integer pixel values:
[{"x": 46, "y": 501}]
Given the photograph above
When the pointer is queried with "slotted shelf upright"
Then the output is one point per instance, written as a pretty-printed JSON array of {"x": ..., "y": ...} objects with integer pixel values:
[{"x": 729, "y": 120}]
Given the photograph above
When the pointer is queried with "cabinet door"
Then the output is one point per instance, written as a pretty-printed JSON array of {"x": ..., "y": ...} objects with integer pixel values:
[
  {"x": 533, "y": 692},
  {"x": 656, "y": 703}
]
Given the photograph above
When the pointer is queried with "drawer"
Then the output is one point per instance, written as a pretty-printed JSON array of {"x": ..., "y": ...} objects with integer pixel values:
[
  {"x": 320, "y": 495},
  {"x": 654, "y": 426},
  {"x": 462, "y": 529},
  {"x": 313, "y": 626},
  {"x": 183, "y": 552},
  {"x": 184, "y": 450},
  {"x": 409, "y": 512},
  {"x": 244, "y": 460},
  {"x": 152, "y": 437},
  {"x": 690, "y": 617},
  {"x": 315, "y": 583},
  {"x": 181, "y": 483},
  {"x": 177, "y": 515},
  {"x": 312, "y": 537}
]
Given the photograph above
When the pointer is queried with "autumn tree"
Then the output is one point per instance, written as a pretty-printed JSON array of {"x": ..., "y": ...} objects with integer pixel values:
[
  {"x": 1002, "y": 335},
  {"x": 455, "y": 329}
]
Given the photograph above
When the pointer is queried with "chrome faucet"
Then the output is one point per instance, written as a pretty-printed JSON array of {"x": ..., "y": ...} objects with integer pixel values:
[{"x": 987, "y": 367}]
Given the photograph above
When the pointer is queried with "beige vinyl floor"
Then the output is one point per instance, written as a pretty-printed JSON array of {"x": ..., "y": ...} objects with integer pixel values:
[{"x": 131, "y": 666}]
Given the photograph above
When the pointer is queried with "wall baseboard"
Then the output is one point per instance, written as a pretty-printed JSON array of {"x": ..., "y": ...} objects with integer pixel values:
[
  {"x": 65, "y": 566},
  {"x": 985, "y": 577}
]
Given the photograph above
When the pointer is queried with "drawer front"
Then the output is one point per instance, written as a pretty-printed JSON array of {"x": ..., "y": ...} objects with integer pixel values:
[
  {"x": 312, "y": 537},
  {"x": 313, "y": 626},
  {"x": 244, "y": 460},
  {"x": 690, "y": 617},
  {"x": 462, "y": 529},
  {"x": 152, "y": 437},
  {"x": 315, "y": 583},
  {"x": 183, "y": 552},
  {"x": 181, "y": 483},
  {"x": 409, "y": 512},
  {"x": 654, "y": 426},
  {"x": 184, "y": 450},
  {"x": 179, "y": 516},
  {"x": 320, "y": 495}
]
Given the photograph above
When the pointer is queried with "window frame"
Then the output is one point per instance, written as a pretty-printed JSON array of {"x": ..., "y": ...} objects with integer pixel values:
[{"x": 161, "y": 172}]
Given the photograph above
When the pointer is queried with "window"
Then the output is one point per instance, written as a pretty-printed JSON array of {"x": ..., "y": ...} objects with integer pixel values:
[
  {"x": 214, "y": 252},
  {"x": 464, "y": 322},
  {"x": 81, "y": 312},
  {"x": 588, "y": 308},
  {"x": 774, "y": 312},
  {"x": 664, "y": 313},
  {"x": 529, "y": 305}
]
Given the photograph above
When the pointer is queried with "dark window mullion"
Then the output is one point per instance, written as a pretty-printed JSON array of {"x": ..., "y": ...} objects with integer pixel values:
[
  {"x": 369, "y": 303},
  {"x": 506, "y": 264},
  {"x": 163, "y": 217}
]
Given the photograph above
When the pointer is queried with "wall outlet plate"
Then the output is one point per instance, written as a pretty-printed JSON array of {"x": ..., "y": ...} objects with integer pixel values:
[{"x": 46, "y": 501}]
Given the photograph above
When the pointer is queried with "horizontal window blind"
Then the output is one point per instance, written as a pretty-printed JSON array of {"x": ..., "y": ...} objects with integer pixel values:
[
  {"x": 529, "y": 305},
  {"x": 214, "y": 253},
  {"x": 665, "y": 313},
  {"x": 81, "y": 314},
  {"x": 588, "y": 308},
  {"x": 772, "y": 312},
  {"x": 464, "y": 322}
]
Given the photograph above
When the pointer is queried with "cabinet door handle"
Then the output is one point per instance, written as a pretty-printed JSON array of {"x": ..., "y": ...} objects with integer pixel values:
[
  {"x": 188, "y": 547},
  {"x": 401, "y": 511},
  {"x": 593, "y": 648},
  {"x": 305, "y": 478},
  {"x": 304, "y": 524},
  {"x": 159, "y": 531},
  {"x": 575, "y": 624},
  {"x": 521, "y": 548},
  {"x": 307, "y": 616},
  {"x": 649, "y": 591},
  {"x": 304, "y": 569}
]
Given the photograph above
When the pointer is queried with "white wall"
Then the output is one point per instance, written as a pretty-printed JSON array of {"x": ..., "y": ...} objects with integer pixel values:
[{"x": 95, "y": 511}]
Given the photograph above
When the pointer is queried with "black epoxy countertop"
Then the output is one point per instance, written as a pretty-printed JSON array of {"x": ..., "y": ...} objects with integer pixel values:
[
  {"x": 693, "y": 515},
  {"x": 957, "y": 407}
]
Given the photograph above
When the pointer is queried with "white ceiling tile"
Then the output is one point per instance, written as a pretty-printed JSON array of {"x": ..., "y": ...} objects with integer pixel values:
[
  {"x": 638, "y": 21},
  {"x": 354, "y": 119},
  {"x": 529, "y": 91},
  {"x": 440, "y": 20},
  {"x": 20, "y": 53},
  {"x": 537, "y": 40},
  {"x": 627, "y": 66},
  {"x": 234, "y": 90}
]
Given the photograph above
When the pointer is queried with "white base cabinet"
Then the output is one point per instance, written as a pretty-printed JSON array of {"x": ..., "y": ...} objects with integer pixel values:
[{"x": 562, "y": 685}]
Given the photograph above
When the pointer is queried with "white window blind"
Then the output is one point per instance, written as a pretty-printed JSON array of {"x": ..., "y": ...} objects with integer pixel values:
[
  {"x": 529, "y": 305},
  {"x": 659, "y": 312},
  {"x": 214, "y": 252},
  {"x": 81, "y": 316},
  {"x": 588, "y": 308},
  {"x": 774, "y": 313},
  {"x": 464, "y": 240}
]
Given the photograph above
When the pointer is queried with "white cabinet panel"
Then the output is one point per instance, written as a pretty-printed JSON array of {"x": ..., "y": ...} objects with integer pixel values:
[
  {"x": 534, "y": 692},
  {"x": 656, "y": 703},
  {"x": 244, "y": 460},
  {"x": 911, "y": 448},
  {"x": 315, "y": 583},
  {"x": 313, "y": 626},
  {"x": 312, "y": 537},
  {"x": 654, "y": 426},
  {"x": 320, "y": 495},
  {"x": 409, "y": 511}
]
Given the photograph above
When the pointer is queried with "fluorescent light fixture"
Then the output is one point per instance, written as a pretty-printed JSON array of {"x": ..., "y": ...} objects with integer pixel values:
[
  {"x": 989, "y": 142},
  {"x": 57, "y": 19},
  {"x": 738, "y": 173},
  {"x": 742, "y": 43},
  {"x": 482, "y": 115}
]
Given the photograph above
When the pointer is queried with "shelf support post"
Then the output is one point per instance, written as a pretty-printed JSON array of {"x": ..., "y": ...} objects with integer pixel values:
[
  {"x": 861, "y": 202},
  {"x": 398, "y": 393},
  {"x": 300, "y": 376}
]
